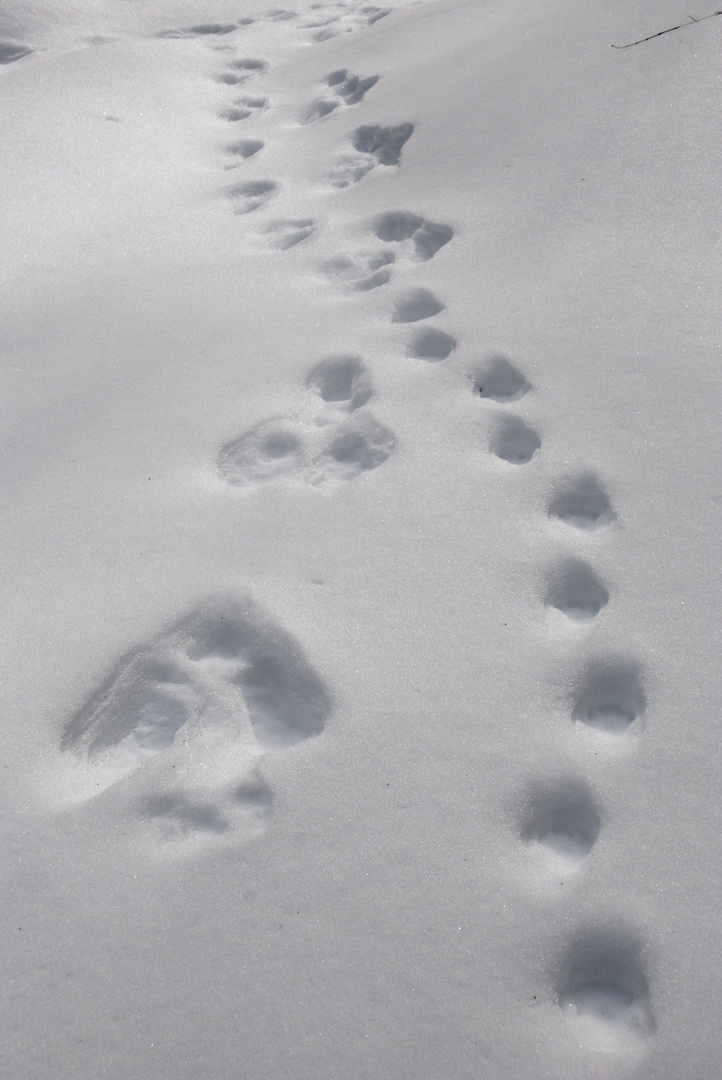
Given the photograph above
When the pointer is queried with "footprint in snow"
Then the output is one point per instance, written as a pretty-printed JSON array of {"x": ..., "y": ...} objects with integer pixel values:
[
  {"x": 240, "y": 71},
  {"x": 243, "y": 108},
  {"x": 500, "y": 381},
  {"x": 251, "y": 195},
  {"x": 342, "y": 382},
  {"x": 373, "y": 146},
  {"x": 576, "y": 592},
  {"x": 241, "y": 150},
  {"x": 418, "y": 240},
  {"x": 328, "y": 445},
  {"x": 515, "y": 442},
  {"x": 201, "y": 30},
  {"x": 560, "y": 826},
  {"x": 285, "y": 233},
  {"x": 280, "y": 15},
  {"x": 610, "y": 702},
  {"x": 416, "y": 305},
  {"x": 603, "y": 993},
  {"x": 581, "y": 502},
  {"x": 431, "y": 344},
  {"x": 10, "y": 51},
  {"x": 419, "y": 237},
  {"x": 329, "y": 20},
  {"x": 189, "y": 715},
  {"x": 340, "y": 88},
  {"x": 361, "y": 272}
]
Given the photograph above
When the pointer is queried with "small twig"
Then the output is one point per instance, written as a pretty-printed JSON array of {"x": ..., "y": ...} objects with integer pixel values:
[{"x": 680, "y": 27}]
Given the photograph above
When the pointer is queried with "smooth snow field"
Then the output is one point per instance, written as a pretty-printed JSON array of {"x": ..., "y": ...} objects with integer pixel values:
[{"x": 360, "y": 589}]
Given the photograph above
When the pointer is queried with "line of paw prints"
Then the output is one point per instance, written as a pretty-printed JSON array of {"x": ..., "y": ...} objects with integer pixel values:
[
  {"x": 324, "y": 20},
  {"x": 601, "y": 986},
  {"x": 340, "y": 89}
]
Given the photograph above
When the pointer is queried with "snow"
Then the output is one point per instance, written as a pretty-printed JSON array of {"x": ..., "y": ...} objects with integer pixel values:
[{"x": 360, "y": 669}]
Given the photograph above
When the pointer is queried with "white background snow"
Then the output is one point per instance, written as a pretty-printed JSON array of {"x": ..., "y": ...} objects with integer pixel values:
[{"x": 360, "y": 675}]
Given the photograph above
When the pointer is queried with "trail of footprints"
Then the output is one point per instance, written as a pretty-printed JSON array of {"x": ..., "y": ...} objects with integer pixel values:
[
  {"x": 227, "y": 685},
  {"x": 181, "y": 723},
  {"x": 601, "y": 987}
]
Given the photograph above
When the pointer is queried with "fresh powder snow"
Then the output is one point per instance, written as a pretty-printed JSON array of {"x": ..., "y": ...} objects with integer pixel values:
[{"x": 360, "y": 515}]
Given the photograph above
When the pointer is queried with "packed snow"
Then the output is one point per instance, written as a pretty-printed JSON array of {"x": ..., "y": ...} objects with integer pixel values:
[{"x": 360, "y": 589}]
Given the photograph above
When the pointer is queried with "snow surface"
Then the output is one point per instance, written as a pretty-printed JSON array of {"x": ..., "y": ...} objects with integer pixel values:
[{"x": 361, "y": 696}]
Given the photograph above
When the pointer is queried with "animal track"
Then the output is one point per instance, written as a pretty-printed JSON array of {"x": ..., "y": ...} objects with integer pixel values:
[
  {"x": 202, "y": 30},
  {"x": 281, "y": 15},
  {"x": 370, "y": 269},
  {"x": 251, "y": 195},
  {"x": 611, "y": 698},
  {"x": 358, "y": 445},
  {"x": 243, "y": 149},
  {"x": 241, "y": 71},
  {"x": 270, "y": 449},
  {"x": 331, "y": 20},
  {"x": 343, "y": 89},
  {"x": 500, "y": 381},
  {"x": 562, "y": 823},
  {"x": 515, "y": 442},
  {"x": 10, "y": 51},
  {"x": 604, "y": 993},
  {"x": 343, "y": 382},
  {"x": 384, "y": 143},
  {"x": 243, "y": 108},
  {"x": 287, "y": 232},
  {"x": 363, "y": 271},
  {"x": 374, "y": 146},
  {"x": 576, "y": 592},
  {"x": 416, "y": 305},
  {"x": 329, "y": 446},
  {"x": 431, "y": 344},
  {"x": 582, "y": 502},
  {"x": 223, "y": 684},
  {"x": 181, "y": 816},
  {"x": 428, "y": 237}
]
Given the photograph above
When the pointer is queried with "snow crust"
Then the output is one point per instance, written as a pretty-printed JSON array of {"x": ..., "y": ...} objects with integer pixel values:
[{"x": 360, "y": 590}]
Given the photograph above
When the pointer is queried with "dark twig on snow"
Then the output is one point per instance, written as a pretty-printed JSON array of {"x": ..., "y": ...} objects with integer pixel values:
[{"x": 680, "y": 27}]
